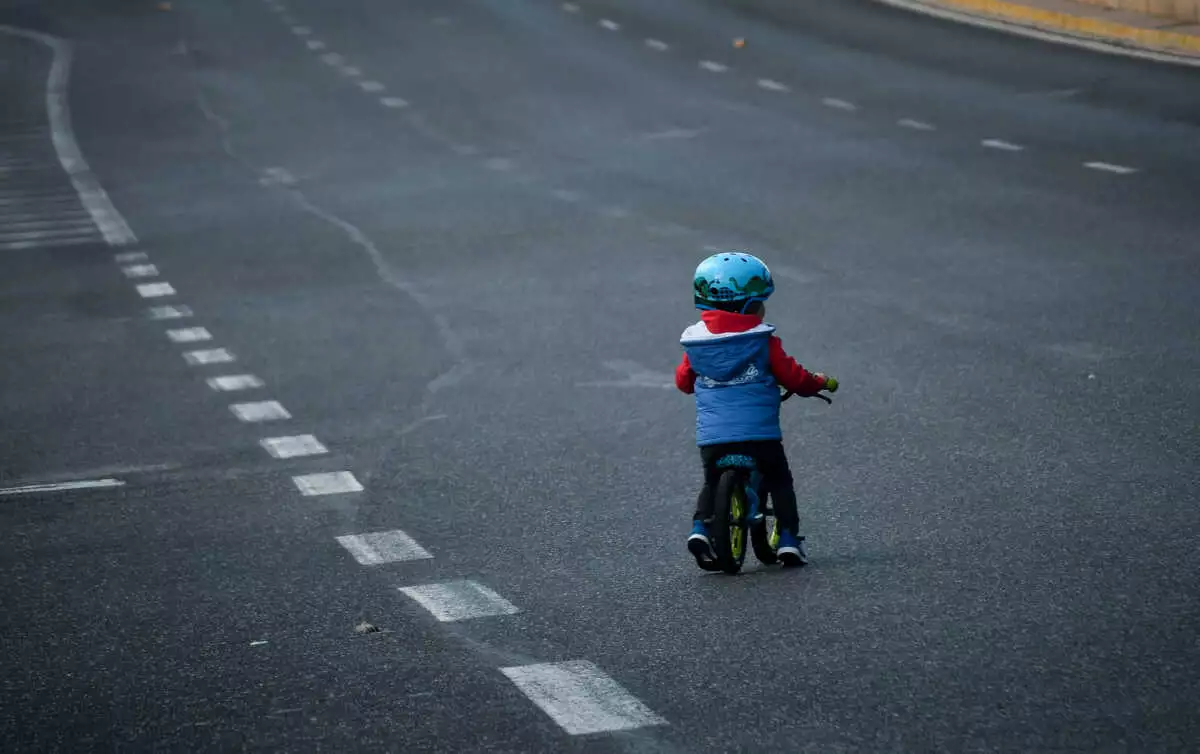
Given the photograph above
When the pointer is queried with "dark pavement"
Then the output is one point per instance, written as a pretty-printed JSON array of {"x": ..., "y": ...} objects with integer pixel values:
[{"x": 454, "y": 241}]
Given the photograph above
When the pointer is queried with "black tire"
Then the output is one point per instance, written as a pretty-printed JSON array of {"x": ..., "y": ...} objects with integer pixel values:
[
  {"x": 725, "y": 528},
  {"x": 761, "y": 531}
]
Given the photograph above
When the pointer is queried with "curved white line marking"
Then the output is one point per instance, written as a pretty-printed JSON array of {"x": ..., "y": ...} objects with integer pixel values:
[{"x": 116, "y": 231}]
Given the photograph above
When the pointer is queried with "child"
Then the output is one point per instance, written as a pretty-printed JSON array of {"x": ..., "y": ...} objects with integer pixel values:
[{"x": 735, "y": 365}]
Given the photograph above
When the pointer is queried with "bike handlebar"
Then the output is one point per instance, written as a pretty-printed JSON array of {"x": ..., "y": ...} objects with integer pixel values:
[{"x": 789, "y": 394}]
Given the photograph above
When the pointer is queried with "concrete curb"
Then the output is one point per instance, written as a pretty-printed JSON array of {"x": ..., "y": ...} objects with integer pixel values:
[{"x": 1158, "y": 40}]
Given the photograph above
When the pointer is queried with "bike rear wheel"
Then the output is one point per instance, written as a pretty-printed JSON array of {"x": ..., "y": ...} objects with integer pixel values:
[{"x": 731, "y": 511}]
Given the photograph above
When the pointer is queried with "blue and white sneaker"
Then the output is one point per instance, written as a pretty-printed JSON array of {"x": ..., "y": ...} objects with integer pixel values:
[
  {"x": 700, "y": 547},
  {"x": 791, "y": 549}
]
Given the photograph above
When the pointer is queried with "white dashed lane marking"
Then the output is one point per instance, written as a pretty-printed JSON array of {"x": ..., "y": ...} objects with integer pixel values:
[
  {"x": 301, "y": 31},
  {"x": 1109, "y": 167},
  {"x": 393, "y": 102},
  {"x": 140, "y": 271},
  {"x": 189, "y": 335},
  {"x": 129, "y": 257},
  {"x": 713, "y": 66},
  {"x": 916, "y": 125},
  {"x": 581, "y": 698},
  {"x": 772, "y": 85},
  {"x": 155, "y": 290},
  {"x": 333, "y": 58},
  {"x": 570, "y": 7},
  {"x": 294, "y": 446},
  {"x": 610, "y": 25},
  {"x": 378, "y": 548},
  {"x": 208, "y": 356},
  {"x": 234, "y": 382},
  {"x": 260, "y": 411},
  {"x": 169, "y": 312},
  {"x": 657, "y": 44},
  {"x": 1002, "y": 145},
  {"x": 328, "y": 483},
  {"x": 839, "y": 104},
  {"x": 451, "y": 601},
  {"x": 315, "y": 44},
  {"x": 371, "y": 86}
]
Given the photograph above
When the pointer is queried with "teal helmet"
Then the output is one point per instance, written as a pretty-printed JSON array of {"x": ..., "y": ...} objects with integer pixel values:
[{"x": 731, "y": 281}]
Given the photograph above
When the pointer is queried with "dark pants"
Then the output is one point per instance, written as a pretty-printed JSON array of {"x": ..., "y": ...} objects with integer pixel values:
[{"x": 772, "y": 464}]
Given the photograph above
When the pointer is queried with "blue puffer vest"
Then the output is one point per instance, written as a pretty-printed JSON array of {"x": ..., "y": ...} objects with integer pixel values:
[{"x": 737, "y": 398}]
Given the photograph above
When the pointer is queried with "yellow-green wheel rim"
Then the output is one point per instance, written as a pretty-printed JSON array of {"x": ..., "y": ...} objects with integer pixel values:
[{"x": 737, "y": 535}]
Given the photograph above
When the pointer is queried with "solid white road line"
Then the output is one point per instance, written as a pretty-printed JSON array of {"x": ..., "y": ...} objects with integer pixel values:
[
  {"x": 189, "y": 335},
  {"x": 209, "y": 356},
  {"x": 155, "y": 290},
  {"x": 293, "y": 446},
  {"x": 169, "y": 312},
  {"x": 260, "y": 411},
  {"x": 94, "y": 199},
  {"x": 581, "y": 698},
  {"x": 85, "y": 484},
  {"x": 233, "y": 382},
  {"x": 377, "y": 548},
  {"x": 1110, "y": 167},
  {"x": 329, "y": 483},
  {"x": 450, "y": 601},
  {"x": 1001, "y": 145}
]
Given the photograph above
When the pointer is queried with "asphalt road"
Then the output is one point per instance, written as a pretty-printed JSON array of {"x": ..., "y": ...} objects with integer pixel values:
[{"x": 453, "y": 240}]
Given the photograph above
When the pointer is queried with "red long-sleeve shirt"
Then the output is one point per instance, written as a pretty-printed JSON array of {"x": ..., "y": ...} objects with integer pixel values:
[{"x": 784, "y": 368}]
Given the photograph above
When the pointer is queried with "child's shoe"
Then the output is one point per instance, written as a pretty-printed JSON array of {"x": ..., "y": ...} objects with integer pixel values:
[
  {"x": 700, "y": 547},
  {"x": 791, "y": 549}
]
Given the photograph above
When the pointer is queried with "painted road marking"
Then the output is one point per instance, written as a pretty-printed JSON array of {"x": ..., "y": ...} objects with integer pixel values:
[
  {"x": 129, "y": 257},
  {"x": 169, "y": 312},
  {"x": 916, "y": 125},
  {"x": 155, "y": 290},
  {"x": 114, "y": 228},
  {"x": 393, "y": 102},
  {"x": 610, "y": 25},
  {"x": 189, "y": 335},
  {"x": 451, "y": 601},
  {"x": 208, "y": 356},
  {"x": 772, "y": 85},
  {"x": 329, "y": 483},
  {"x": 332, "y": 58},
  {"x": 293, "y": 446},
  {"x": 301, "y": 31},
  {"x": 1110, "y": 167},
  {"x": 40, "y": 241},
  {"x": 350, "y": 71},
  {"x": 714, "y": 66},
  {"x": 1001, "y": 145},
  {"x": 657, "y": 44},
  {"x": 315, "y": 44},
  {"x": 570, "y": 7},
  {"x": 85, "y": 484},
  {"x": 581, "y": 698},
  {"x": 371, "y": 86},
  {"x": 232, "y": 382},
  {"x": 382, "y": 547},
  {"x": 260, "y": 411},
  {"x": 839, "y": 104}
]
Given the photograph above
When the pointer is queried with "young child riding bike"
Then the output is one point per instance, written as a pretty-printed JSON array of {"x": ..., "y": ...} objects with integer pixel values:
[{"x": 734, "y": 364}]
